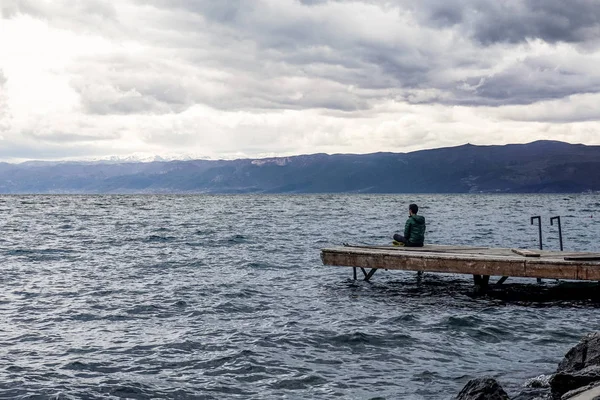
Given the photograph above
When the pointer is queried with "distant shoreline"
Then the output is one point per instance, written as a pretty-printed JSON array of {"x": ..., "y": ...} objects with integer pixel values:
[{"x": 536, "y": 168}]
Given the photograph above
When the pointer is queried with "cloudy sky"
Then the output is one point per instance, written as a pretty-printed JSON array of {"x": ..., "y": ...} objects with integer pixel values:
[{"x": 252, "y": 78}]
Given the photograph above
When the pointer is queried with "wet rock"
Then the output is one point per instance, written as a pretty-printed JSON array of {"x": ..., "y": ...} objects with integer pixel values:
[
  {"x": 563, "y": 382},
  {"x": 482, "y": 389},
  {"x": 534, "y": 394},
  {"x": 540, "y": 381},
  {"x": 537, "y": 388},
  {"x": 590, "y": 392},
  {"x": 580, "y": 366},
  {"x": 584, "y": 354}
]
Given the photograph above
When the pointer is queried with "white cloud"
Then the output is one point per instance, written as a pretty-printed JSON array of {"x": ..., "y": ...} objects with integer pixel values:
[{"x": 277, "y": 77}]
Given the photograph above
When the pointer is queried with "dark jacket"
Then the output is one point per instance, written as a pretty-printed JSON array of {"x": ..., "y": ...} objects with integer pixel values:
[{"x": 414, "y": 229}]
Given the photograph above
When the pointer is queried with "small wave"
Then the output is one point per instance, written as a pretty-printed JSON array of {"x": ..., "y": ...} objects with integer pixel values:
[
  {"x": 401, "y": 319},
  {"x": 158, "y": 238},
  {"x": 129, "y": 390},
  {"x": 41, "y": 254},
  {"x": 232, "y": 359},
  {"x": 426, "y": 376},
  {"x": 244, "y": 294},
  {"x": 462, "y": 322},
  {"x": 300, "y": 383},
  {"x": 19, "y": 252},
  {"x": 231, "y": 307},
  {"x": 361, "y": 338},
  {"x": 91, "y": 367},
  {"x": 82, "y": 350},
  {"x": 180, "y": 303},
  {"x": 85, "y": 317},
  {"x": 117, "y": 317},
  {"x": 323, "y": 361},
  {"x": 105, "y": 292},
  {"x": 204, "y": 232},
  {"x": 261, "y": 265},
  {"x": 26, "y": 294},
  {"x": 15, "y": 368},
  {"x": 143, "y": 309},
  {"x": 491, "y": 334},
  {"x": 186, "y": 346},
  {"x": 237, "y": 239}
]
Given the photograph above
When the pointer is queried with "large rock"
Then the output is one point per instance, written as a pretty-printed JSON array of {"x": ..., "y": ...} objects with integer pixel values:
[
  {"x": 584, "y": 354},
  {"x": 579, "y": 367},
  {"x": 482, "y": 389},
  {"x": 563, "y": 382},
  {"x": 590, "y": 392},
  {"x": 534, "y": 394},
  {"x": 536, "y": 388}
]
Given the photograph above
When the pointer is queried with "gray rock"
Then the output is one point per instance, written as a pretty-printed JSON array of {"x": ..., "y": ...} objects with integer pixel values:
[
  {"x": 540, "y": 381},
  {"x": 580, "y": 366},
  {"x": 534, "y": 394},
  {"x": 590, "y": 392},
  {"x": 584, "y": 354},
  {"x": 482, "y": 389},
  {"x": 537, "y": 388},
  {"x": 563, "y": 382}
]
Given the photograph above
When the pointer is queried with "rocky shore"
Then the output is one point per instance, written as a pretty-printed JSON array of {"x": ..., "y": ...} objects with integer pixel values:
[{"x": 576, "y": 378}]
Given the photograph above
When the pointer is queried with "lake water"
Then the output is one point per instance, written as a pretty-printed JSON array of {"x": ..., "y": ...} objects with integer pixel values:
[{"x": 212, "y": 297}]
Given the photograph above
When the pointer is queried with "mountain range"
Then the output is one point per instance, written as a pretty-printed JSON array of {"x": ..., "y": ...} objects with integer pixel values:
[{"x": 538, "y": 167}]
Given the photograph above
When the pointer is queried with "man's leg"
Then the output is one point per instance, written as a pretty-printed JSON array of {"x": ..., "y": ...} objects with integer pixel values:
[{"x": 399, "y": 238}]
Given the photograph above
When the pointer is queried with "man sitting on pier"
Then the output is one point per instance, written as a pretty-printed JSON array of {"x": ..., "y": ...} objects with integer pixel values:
[{"x": 414, "y": 229}]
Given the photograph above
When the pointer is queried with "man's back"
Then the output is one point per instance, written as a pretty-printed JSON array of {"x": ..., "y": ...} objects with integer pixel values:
[{"x": 414, "y": 229}]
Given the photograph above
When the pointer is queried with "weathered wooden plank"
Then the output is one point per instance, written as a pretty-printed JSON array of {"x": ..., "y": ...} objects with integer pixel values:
[
  {"x": 427, "y": 248},
  {"x": 454, "y": 264},
  {"x": 588, "y": 257},
  {"x": 496, "y": 262},
  {"x": 525, "y": 253},
  {"x": 535, "y": 268},
  {"x": 588, "y": 272}
]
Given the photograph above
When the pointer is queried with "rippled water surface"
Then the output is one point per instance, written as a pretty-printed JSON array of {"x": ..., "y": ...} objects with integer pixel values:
[{"x": 226, "y": 297}]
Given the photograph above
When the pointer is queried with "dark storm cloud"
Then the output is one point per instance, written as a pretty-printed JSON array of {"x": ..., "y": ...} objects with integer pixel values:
[
  {"x": 306, "y": 34},
  {"x": 262, "y": 43},
  {"x": 325, "y": 54},
  {"x": 290, "y": 75},
  {"x": 553, "y": 21},
  {"x": 524, "y": 85},
  {"x": 489, "y": 22}
]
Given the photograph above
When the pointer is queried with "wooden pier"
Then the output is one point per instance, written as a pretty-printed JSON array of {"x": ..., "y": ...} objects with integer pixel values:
[{"x": 481, "y": 262}]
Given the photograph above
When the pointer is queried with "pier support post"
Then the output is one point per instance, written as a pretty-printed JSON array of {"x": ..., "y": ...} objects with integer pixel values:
[
  {"x": 501, "y": 280},
  {"x": 481, "y": 282},
  {"x": 485, "y": 279},
  {"x": 354, "y": 270},
  {"x": 369, "y": 274}
]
